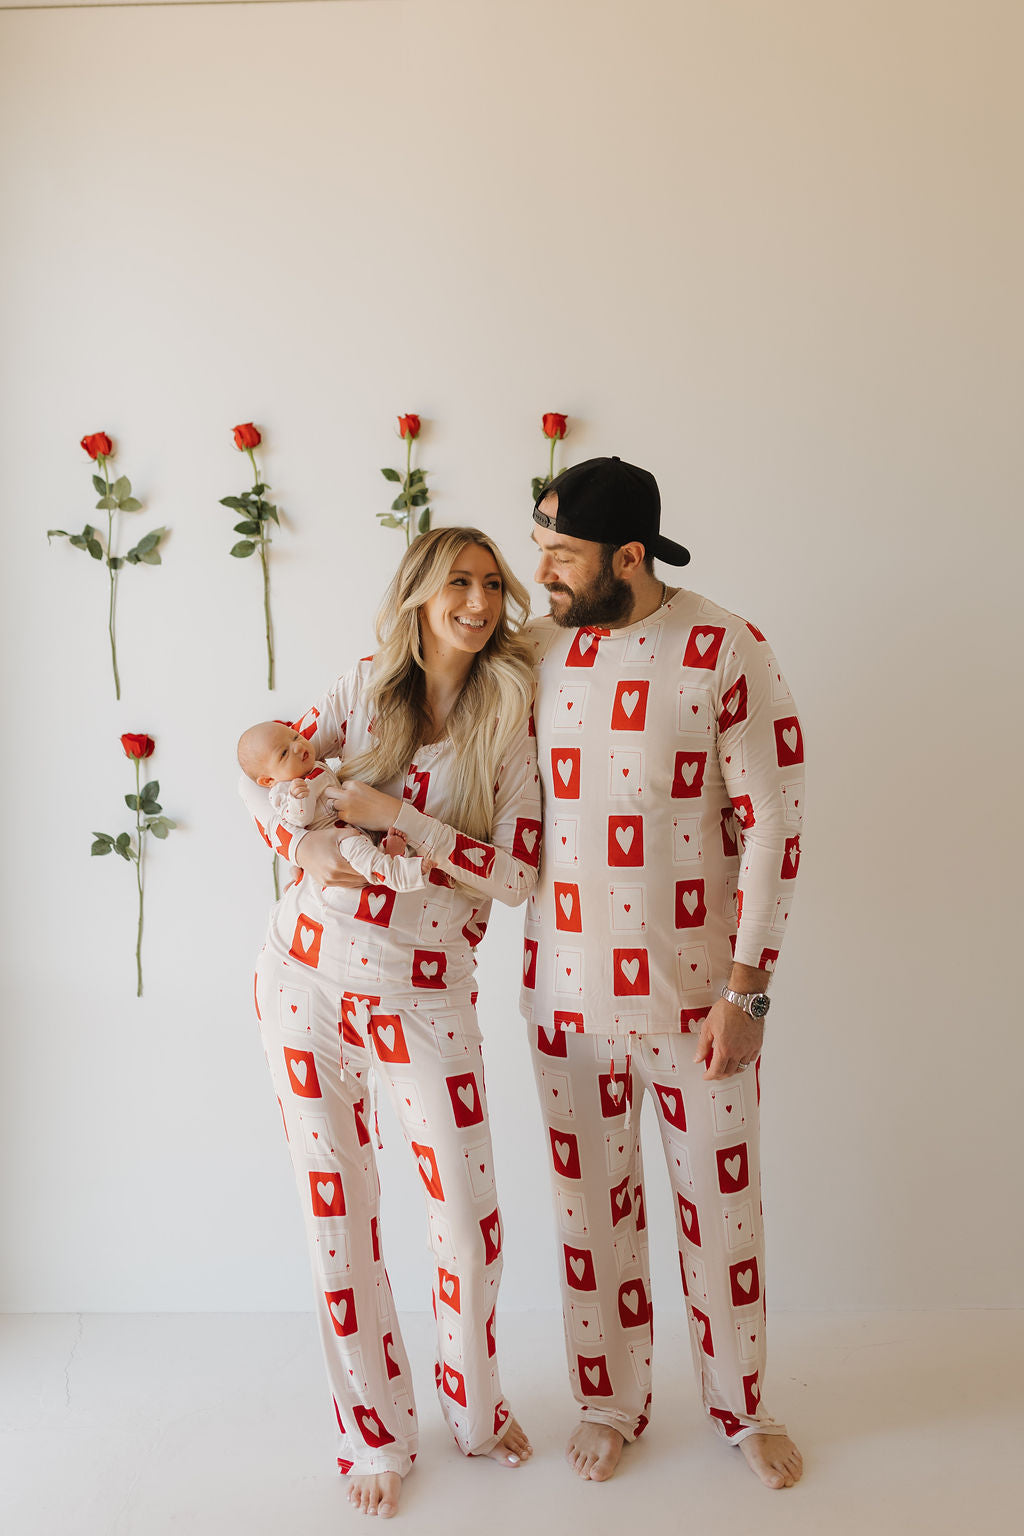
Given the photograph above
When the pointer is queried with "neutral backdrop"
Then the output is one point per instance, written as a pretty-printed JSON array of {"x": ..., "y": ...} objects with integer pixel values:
[{"x": 771, "y": 251}]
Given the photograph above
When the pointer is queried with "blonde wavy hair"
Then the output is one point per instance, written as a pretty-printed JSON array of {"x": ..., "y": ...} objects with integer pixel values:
[{"x": 495, "y": 698}]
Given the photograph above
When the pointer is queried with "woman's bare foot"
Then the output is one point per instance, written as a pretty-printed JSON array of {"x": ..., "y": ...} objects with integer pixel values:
[
  {"x": 375, "y": 1493},
  {"x": 513, "y": 1448},
  {"x": 774, "y": 1458},
  {"x": 593, "y": 1451}
]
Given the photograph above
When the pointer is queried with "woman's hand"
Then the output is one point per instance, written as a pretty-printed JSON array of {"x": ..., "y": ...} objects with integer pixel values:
[
  {"x": 317, "y": 853},
  {"x": 365, "y": 807}
]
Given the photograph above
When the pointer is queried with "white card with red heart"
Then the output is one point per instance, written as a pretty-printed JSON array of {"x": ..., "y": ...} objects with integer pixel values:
[
  {"x": 642, "y": 645},
  {"x": 447, "y": 1029},
  {"x": 585, "y": 1322},
  {"x": 617, "y": 1152},
  {"x": 695, "y": 715},
  {"x": 564, "y": 832},
  {"x": 294, "y": 1010},
  {"x": 792, "y": 799},
  {"x": 572, "y": 1213},
  {"x": 694, "y": 967},
  {"x": 627, "y": 908},
  {"x": 567, "y": 714},
  {"x": 364, "y": 960},
  {"x": 408, "y": 1103},
  {"x": 480, "y": 1168},
  {"x": 433, "y": 922},
  {"x": 687, "y": 847},
  {"x": 625, "y": 774},
  {"x": 727, "y": 1105},
  {"x": 556, "y": 1094},
  {"x": 626, "y": 1256},
  {"x": 739, "y": 1225},
  {"x": 569, "y": 972},
  {"x": 316, "y": 1135},
  {"x": 332, "y": 1249}
]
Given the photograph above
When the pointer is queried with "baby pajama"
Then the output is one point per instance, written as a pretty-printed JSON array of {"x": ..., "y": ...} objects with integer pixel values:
[
  {"x": 309, "y": 813},
  {"x": 379, "y": 981}
]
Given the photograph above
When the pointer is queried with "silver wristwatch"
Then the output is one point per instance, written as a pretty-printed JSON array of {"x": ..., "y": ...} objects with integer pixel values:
[{"x": 754, "y": 1003}]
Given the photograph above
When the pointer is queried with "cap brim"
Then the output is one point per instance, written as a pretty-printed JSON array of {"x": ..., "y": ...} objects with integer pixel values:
[{"x": 669, "y": 551}]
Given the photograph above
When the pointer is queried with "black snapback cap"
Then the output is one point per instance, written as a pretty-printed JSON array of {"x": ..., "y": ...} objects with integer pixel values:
[{"x": 608, "y": 501}]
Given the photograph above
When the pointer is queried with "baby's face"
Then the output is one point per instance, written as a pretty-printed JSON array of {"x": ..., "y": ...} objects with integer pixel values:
[{"x": 285, "y": 755}]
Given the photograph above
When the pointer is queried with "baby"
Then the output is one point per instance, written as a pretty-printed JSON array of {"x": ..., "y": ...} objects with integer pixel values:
[{"x": 301, "y": 792}]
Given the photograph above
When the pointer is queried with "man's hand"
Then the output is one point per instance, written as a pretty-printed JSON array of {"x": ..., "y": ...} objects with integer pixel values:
[
  {"x": 365, "y": 806},
  {"x": 729, "y": 1039},
  {"x": 317, "y": 853},
  {"x": 298, "y": 789}
]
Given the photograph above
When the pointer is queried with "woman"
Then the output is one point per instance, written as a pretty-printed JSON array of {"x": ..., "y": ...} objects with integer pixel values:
[{"x": 355, "y": 984}]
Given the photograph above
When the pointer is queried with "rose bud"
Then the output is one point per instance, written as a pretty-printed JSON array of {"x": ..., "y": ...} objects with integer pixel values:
[
  {"x": 246, "y": 436},
  {"x": 409, "y": 426},
  {"x": 138, "y": 746},
  {"x": 98, "y": 445},
  {"x": 554, "y": 425}
]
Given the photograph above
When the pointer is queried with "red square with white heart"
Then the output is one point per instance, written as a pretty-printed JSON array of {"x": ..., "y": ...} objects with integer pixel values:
[
  {"x": 526, "y": 841},
  {"x": 426, "y": 1162},
  {"x": 428, "y": 968},
  {"x": 631, "y": 975},
  {"x": 744, "y": 1282},
  {"x": 301, "y": 1069},
  {"x": 629, "y": 707},
  {"x": 789, "y": 741},
  {"x": 568, "y": 917},
  {"x": 670, "y": 1102},
  {"x": 448, "y": 1288},
  {"x": 583, "y": 651},
  {"x": 634, "y": 1308},
  {"x": 469, "y": 854},
  {"x": 688, "y": 1220},
  {"x": 625, "y": 842},
  {"x": 565, "y": 773},
  {"x": 703, "y": 646},
  {"x": 415, "y": 788},
  {"x": 734, "y": 704},
  {"x": 551, "y": 1041},
  {"x": 690, "y": 909},
  {"x": 454, "y": 1385},
  {"x": 305, "y": 945},
  {"x": 791, "y": 858},
  {"x": 467, "y": 1105},
  {"x": 490, "y": 1226},
  {"x": 616, "y": 1091},
  {"x": 530, "y": 963},
  {"x": 565, "y": 1153},
  {"x": 579, "y": 1268},
  {"x": 342, "y": 1307},
  {"x": 389, "y": 1042},
  {"x": 376, "y": 904},
  {"x": 688, "y": 775},
  {"x": 370, "y": 1426},
  {"x": 621, "y": 1203},
  {"x": 733, "y": 1168},
  {"x": 326, "y": 1194},
  {"x": 594, "y": 1378},
  {"x": 355, "y": 1016}
]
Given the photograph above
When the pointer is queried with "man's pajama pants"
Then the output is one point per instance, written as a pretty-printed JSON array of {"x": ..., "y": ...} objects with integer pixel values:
[
  {"x": 591, "y": 1091},
  {"x": 318, "y": 1048}
]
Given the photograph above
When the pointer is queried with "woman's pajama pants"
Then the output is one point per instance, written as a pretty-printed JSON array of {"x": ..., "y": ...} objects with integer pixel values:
[
  {"x": 429, "y": 1058},
  {"x": 591, "y": 1091}
]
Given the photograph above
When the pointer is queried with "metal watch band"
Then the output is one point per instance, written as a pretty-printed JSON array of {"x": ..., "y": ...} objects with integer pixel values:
[{"x": 744, "y": 999}]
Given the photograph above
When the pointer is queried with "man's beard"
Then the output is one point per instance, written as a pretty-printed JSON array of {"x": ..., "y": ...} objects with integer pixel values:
[{"x": 607, "y": 600}]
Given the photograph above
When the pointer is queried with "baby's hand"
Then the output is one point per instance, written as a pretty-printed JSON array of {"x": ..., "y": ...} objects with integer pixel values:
[
  {"x": 394, "y": 843},
  {"x": 298, "y": 788}
]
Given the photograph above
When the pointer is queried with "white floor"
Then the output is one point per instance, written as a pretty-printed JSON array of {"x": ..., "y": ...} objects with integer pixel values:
[{"x": 195, "y": 1425}]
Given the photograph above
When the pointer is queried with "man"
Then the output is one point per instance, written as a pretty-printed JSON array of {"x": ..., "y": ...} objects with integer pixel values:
[{"x": 671, "y": 761}]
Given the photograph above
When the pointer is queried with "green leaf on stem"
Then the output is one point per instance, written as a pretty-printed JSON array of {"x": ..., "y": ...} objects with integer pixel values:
[
  {"x": 95, "y": 549},
  {"x": 55, "y": 533},
  {"x": 151, "y": 557},
  {"x": 537, "y": 484},
  {"x": 99, "y": 846},
  {"x": 418, "y": 499},
  {"x": 115, "y": 562},
  {"x": 271, "y": 513},
  {"x": 148, "y": 541},
  {"x": 416, "y": 476},
  {"x": 123, "y": 839},
  {"x": 400, "y": 503},
  {"x": 100, "y": 484},
  {"x": 242, "y": 548},
  {"x": 387, "y": 521},
  {"x": 150, "y": 790},
  {"x": 259, "y": 488},
  {"x": 159, "y": 827},
  {"x": 132, "y": 802},
  {"x": 130, "y": 504},
  {"x": 234, "y": 502},
  {"x": 106, "y": 504},
  {"x": 391, "y": 474},
  {"x": 248, "y": 526},
  {"x": 122, "y": 486},
  {"x": 424, "y": 522}
]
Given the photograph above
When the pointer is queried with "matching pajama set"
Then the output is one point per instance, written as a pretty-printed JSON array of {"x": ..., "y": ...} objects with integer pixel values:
[
  {"x": 671, "y": 759},
  {"x": 378, "y": 984},
  {"x": 314, "y": 811}
]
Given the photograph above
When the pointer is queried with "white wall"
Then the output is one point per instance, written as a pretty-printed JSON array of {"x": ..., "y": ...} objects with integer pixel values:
[{"x": 772, "y": 252}]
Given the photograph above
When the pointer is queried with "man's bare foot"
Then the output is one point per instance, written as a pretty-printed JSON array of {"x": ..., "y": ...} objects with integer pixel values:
[
  {"x": 593, "y": 1451},
  {"x": 774, "y": 1458},
  {"x": 513, "y": 1448},
  {"x": 375, "y": 1493}
]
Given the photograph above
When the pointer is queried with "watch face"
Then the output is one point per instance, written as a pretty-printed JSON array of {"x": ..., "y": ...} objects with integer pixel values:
[{"x": 759, "y": 1006}]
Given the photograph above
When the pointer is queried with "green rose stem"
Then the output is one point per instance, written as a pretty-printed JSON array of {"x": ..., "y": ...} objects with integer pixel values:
[
  {"x": 405, "y": 488},
  {"x": 138, "y": 875},
  {"x": 266, "y": 578},
  {"x": 112, "y": 573},
  {"x": 551, "y": 461}
]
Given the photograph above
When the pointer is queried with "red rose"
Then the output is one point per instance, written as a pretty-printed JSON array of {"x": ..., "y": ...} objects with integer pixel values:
[
  {"x": 246, "y": 436},
  {"x": 138, "y": 746},
  {"x": 98, "y": 445},
  {"x": 409, "y": 426},
  {"x": 554, "y": 425}
]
